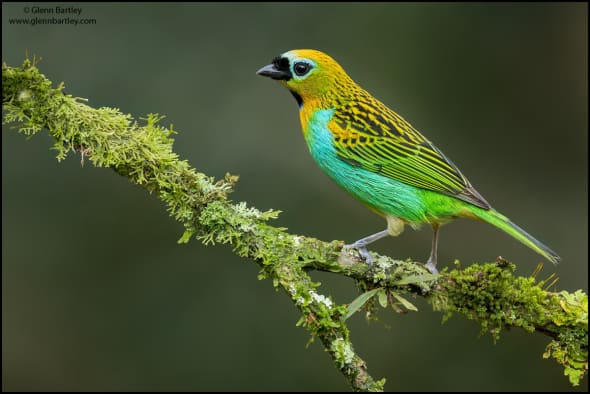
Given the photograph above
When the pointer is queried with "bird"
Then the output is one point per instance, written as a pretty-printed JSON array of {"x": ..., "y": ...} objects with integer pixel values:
[{"x": 379, "y": 158}]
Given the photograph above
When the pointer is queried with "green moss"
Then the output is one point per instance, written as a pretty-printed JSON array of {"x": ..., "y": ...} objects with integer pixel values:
[
  {"x": 493, "y": 296},
  {"x": 570, "y": 348}
]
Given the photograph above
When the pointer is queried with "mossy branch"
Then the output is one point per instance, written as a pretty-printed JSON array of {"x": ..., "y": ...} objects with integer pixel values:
[{"x": 142, "y": 152}]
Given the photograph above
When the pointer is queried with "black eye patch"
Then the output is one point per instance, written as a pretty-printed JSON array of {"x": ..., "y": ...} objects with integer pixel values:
[{"x": 281, "y": 63}]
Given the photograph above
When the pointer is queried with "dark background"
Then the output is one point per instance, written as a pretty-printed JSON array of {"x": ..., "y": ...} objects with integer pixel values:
[{"x": 97, "y": 294}]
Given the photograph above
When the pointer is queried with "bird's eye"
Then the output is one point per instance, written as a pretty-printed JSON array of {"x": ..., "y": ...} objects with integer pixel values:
[{"x": 301, "y": 68}]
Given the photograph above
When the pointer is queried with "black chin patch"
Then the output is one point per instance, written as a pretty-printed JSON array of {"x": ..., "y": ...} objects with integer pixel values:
[{"x": 298, "y": 98}]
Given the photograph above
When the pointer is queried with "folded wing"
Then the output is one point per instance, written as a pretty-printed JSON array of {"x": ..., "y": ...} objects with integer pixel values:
[{"x": 369, "y": 135}]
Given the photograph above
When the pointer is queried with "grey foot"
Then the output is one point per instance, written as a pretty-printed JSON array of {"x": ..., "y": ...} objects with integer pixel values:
[
  {"x": 431, "y": 266},
  {"x": 363, "y": 252}
]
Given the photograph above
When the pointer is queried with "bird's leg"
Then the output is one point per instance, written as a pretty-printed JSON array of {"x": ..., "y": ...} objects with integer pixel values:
[
  {"x": 361, "y": 245},
  {"x": 431, "y": 263}
]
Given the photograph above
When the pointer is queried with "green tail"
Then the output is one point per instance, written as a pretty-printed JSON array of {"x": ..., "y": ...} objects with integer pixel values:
[{"x": 502, "y": 222}]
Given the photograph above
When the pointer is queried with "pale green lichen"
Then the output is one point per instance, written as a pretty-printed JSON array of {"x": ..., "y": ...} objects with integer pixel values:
[{"x": 343, "y": 350}]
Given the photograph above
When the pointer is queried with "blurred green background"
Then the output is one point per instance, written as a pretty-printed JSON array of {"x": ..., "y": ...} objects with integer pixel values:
[{"x": 97, "y": 294}]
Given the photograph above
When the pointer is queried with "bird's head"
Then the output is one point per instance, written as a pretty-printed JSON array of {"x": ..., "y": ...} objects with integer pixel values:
[{"x": 310, "y": 75}]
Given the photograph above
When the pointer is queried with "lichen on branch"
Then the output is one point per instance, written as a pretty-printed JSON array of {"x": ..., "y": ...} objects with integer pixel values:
[{"x": 142, "y": 151}]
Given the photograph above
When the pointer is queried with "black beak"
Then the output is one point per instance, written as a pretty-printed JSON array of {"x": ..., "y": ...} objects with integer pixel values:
[{"x": 273, "y": 72}]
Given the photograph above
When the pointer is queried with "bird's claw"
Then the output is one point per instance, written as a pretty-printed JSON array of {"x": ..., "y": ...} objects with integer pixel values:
[
  {"x": 363, "y": 253},
  {"x": 431, "y": 266}
]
